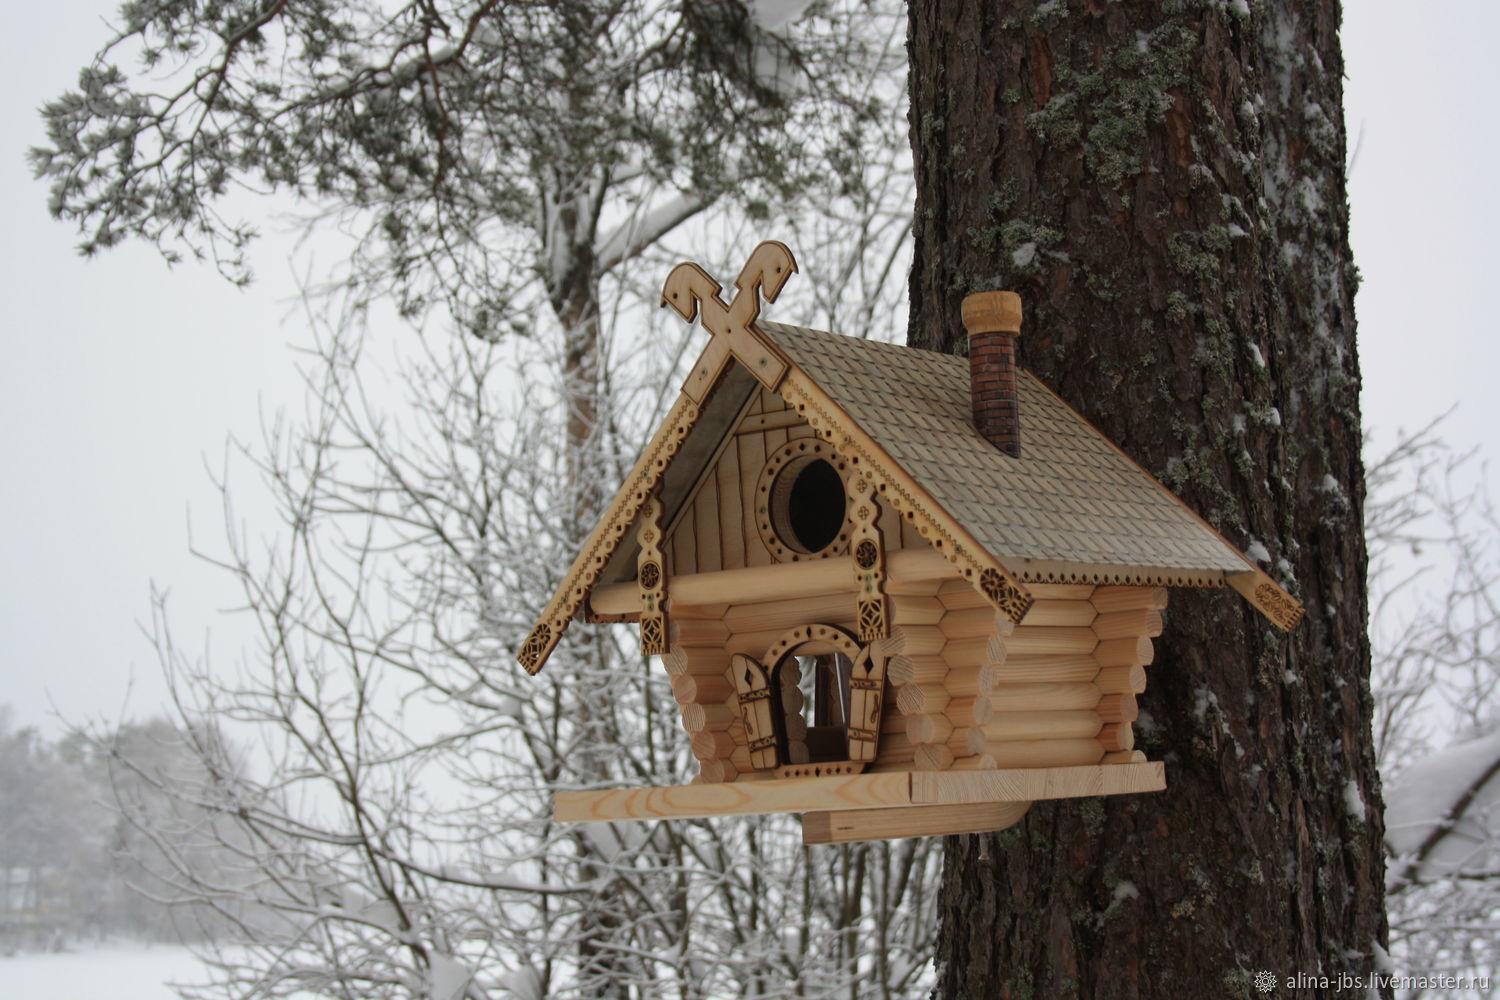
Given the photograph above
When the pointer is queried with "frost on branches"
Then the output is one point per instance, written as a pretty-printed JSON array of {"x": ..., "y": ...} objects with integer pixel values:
[
  {"x": 499, "y": 163},
  {"x": 395, "y": 839},
  {"x": 1436, "y": 636},
  {"x": 470, "y": 147}
]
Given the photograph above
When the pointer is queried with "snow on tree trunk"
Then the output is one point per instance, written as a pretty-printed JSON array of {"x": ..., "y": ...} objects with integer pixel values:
[{"x": 1164, "y": 186}]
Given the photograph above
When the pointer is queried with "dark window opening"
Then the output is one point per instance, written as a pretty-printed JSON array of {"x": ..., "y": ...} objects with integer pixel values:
[
  {"x": 814, "y": 719},
  {"x": 808, "y": 505}
]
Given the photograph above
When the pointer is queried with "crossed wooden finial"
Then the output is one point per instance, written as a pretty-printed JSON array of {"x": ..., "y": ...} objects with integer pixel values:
[{"x": 692, "y": 293}]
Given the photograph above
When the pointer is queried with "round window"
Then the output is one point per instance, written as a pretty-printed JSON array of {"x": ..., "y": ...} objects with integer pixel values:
[
  {"x": 803, "y": 507},
  {"x": 807, "y": 505}
]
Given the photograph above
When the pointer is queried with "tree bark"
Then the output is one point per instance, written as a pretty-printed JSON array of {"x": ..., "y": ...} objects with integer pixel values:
[{"x": 1163, "y": 184}]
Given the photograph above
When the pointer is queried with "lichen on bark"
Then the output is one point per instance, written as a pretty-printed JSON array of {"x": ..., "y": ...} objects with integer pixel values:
[{"x": 1163, "y": 184}]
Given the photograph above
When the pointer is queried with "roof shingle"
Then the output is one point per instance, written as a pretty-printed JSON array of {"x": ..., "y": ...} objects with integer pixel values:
[{"x": 1070, "y": 497}]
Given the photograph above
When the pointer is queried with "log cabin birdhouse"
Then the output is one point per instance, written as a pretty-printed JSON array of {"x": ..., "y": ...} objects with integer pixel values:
[{"x": 899, "y": 592}]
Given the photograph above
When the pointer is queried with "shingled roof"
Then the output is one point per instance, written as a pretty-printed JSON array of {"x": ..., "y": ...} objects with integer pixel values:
[
  {"x": 1070, "y": 507},
  {"x": 1072, "y": 503}
]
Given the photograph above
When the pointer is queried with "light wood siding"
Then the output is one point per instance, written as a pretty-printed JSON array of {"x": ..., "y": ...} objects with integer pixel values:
[
  {"x": 716, "y": 528},
  {"x": 751, "y": 629},
  {"x": 965, "y": 689},
  {"x": 978, "y": 693}
]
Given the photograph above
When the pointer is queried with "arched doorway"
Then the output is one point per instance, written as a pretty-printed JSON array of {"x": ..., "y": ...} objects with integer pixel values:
[{"x": 811, "y": 670}]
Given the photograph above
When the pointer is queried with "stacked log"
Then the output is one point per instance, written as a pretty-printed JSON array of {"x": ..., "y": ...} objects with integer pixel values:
[
  {"x": 1128, "y": 619},
  {"x": 966, "y": 689},
  {"x": 1043, "y": 699},
  {"x": 697, "y": 663}
]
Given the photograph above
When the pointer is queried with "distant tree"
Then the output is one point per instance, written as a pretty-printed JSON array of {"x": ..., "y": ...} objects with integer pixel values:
[
  {"x": 76, "y": 858},
  {"x": 1164, "y": 185},
  {"x": 151, "y": 830},
  {"x": 502, "y": 162},
  {"x": 399, "y": 834},
  {"x": 52, "y": 856}
]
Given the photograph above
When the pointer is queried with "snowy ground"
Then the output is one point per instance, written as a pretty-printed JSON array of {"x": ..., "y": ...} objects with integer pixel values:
[{"x": 117, "y": 972}]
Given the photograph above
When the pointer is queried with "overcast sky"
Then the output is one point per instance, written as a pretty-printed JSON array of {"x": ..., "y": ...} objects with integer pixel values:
[{"x": 121, "y": 379}]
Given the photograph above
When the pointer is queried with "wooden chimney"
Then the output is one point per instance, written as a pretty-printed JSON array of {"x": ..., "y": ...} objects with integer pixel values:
[{"x": 993, "y": 320}]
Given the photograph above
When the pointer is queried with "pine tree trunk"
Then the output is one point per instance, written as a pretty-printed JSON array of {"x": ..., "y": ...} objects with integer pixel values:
[
  {"x": 575, "y": 303},
  {"x": 1163, "y": 184},
  {"x": 573, "y": 290}
]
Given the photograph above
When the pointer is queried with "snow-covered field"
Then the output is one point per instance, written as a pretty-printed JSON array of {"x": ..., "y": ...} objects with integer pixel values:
[{"x": 117, "y": 972}]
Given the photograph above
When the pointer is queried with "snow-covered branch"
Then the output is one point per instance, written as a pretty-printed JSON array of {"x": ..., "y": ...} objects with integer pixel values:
[
  {"x": 1435, "y": 625},
  {"x": 631, "y": 238}
]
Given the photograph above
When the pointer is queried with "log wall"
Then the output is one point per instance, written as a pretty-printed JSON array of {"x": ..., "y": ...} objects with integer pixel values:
[
  {"x": 965, "y": 688},
  {"x": 1057, "y": 690}
]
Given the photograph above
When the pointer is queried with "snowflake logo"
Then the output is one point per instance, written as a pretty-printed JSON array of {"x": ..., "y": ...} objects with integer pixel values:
[{"x": 1265, "y": 981}]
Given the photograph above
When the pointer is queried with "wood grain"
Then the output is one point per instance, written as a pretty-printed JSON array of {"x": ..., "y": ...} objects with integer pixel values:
[
  {"x": 915, "y": 640},
  {"x": 1133, "y": 652},
  {"x": 1127, "y": 624},
  {"x": 1059, "y": 669},
  {"x": 1043, "y": 697},
  {"x": 1044, "y": 753},
  {"x": 1121, "y": 680},
  {"x": 752, "y": 455},
  {"x": 856, "y": 825},
  {"x": 1107, "y": 599},
  {"x": 867, "y": 791},
  {"x": 1030, "y": 784},
  {"x": 1060, "y": 725},
  {"x": 860, "y": 793},
  {"x": 1048, "y": 641},
  {"x": 1060, "y": 613}
]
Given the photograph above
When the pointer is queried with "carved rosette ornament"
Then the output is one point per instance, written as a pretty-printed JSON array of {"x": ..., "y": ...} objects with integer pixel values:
[
  {"x": 867, "y": 552},
  {"x": 538, "y": 644},
  {"x": 652, "y": 578},
  {"x": 1003, "y": 594}
]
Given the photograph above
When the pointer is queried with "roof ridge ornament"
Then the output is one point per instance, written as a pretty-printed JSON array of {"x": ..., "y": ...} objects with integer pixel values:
[{"x": 693, "y": 293}]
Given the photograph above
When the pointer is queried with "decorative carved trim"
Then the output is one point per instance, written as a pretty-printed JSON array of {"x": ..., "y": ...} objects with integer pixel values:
[
  {"x": 866, "y": 688},
  {"x": 1278, "y": 607},
  {"x": 1281, "y": 608},
  {"x": 692, "y": 292},
  {"x": 866, "y": 703},
  {"x": 651, "y": 575},
  {"x": 752, "y": 683},
  {"x": 867, "y": 554},
  {"x": 828, "y": 769},
  {"x": 785, "y": 459},
  {"x": 1034, "y": 571},
  {"x": 823, "y": 639},
  {"x": 946, "y": 535},
  {"x": 607, "y": 535}
]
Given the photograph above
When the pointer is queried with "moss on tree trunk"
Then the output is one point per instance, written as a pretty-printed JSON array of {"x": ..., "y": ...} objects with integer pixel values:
[{"x": 1163, "y": 184}]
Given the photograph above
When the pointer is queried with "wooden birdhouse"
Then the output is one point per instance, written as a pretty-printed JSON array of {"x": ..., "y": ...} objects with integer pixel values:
[{"x": 899, "y": 592}]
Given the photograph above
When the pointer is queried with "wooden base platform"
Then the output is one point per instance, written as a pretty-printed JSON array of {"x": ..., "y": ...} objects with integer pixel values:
[
  {"x": 853, "y": 825},
  {"x": 918, "y": 803}
]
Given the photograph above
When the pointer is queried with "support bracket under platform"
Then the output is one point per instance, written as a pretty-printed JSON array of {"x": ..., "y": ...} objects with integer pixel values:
[
  {"x": 854, "y": 825},
  {"x": 868, "y": 793}
]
